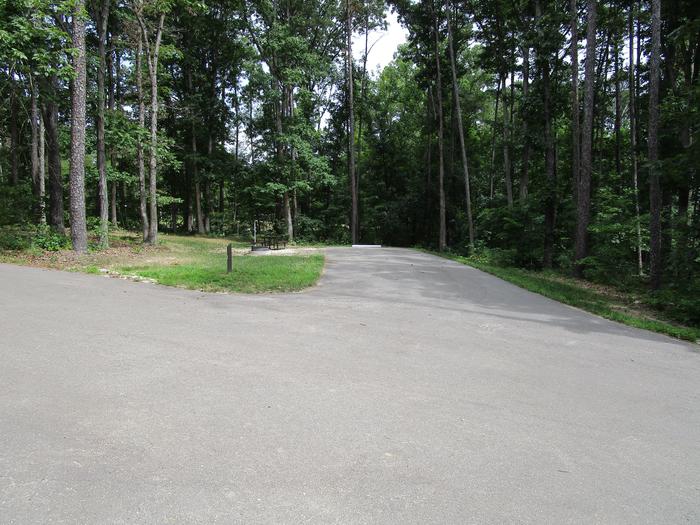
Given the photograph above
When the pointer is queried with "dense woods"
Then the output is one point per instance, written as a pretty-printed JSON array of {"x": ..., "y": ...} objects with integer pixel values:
[{"x": 542, "y": 134}]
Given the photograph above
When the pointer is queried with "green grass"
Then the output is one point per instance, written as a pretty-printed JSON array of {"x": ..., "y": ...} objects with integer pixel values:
[
  {"x": 596, "y": 300},
  {"x": 199, "y": 263},
  {"x": 251, "y": 274},
  {"x": 185, "y": 261}
]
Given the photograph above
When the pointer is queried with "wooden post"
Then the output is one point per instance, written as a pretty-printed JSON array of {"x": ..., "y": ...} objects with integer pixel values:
[{"x": 229, "y": 262}]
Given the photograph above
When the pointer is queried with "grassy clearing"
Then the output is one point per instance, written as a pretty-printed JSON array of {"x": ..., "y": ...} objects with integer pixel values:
[
  {"x": 197, "y": 263},
  {"x": 606, "y": 302}
]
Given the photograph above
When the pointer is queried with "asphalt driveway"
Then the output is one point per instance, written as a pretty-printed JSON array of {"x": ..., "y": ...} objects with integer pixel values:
[{"x": 404, "y": 388}]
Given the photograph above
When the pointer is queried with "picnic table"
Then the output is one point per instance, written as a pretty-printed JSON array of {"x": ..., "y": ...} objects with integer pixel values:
[{"x": 274, "y": 241}]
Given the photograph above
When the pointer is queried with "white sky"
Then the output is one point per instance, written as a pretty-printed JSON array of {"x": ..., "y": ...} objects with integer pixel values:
[{"x": 385, "y": 43}]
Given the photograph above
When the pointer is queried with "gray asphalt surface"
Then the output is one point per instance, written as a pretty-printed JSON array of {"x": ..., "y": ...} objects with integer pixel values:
[{"x": 405, "y": 388}]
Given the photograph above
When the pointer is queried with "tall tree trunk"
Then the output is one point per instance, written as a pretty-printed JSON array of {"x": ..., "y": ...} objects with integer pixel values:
[
  {"x": 145, "y": 227},
  {"x": 78, "y": 227},
  {"x": 492, "y": 175},
  {"x": 460, "y": 131},
  {"x": 193, "y": 162},
  {"x": 354, "y": 220},
  {"x": 550, "y": 159},
  {"x": 198, "y": 203},
  {"x": 633, "y": 141},
  {"x": 113, "y": 69},
  {"x": 207, "y": 190},
  {"x": 584, "y": 187},
  {"x": 618, "y": 111},
  {"x": 525, "y": 174},
  {"x": 653, "y": 144},
  {"x": 102, "y": 15},
  {"x": 34, "y": 126},
  {"x": 197, "y": 185},
  {"x": 363, "y": 86},
  {"x": 575, "y": 128},
  {"x": 288, "y": 216},
  {"x": 442, "y": 241},
  {"x": 506, "y": 151},
  {"x": 49, "y": 111},
  {"x": 113, "y": 203},
  {"x": 152, "y": 56},
  {"x": 14, "y": 135},
  {"x": 41, "y": 197}
]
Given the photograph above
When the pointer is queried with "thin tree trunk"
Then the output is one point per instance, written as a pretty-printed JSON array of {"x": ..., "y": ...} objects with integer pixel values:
[
  {"x": 363, "y": 86},
  {"x": 102, "y": 15},
  {"x": 113, "y": 203},
  {"x": 41, "y": 197},
  {"x": 50, "y": 118},
  {"x": 113, "y": 77},
  {"x": 584, "y": 186},
  {"x": 288, "y": 216},
  {"x": 14, "y": 136},
  {"x": 354, "y": 220},
  {"x": 525, "y": 173},
  {"x": 197, "y": 185},
  {"x": 77, "y": 151},
  {"x": 492, "y": 175},
  {"x": 460, "y": 131},
  {"x": 655, "y": 203},
  {"x": 145, "y": 227},
  {"x": 442, "y": 242},
  {"x": 34, "y": 126},
  {"x": 550, "y": 159},
  {"x": 506, "y": 152},
  {"x": 152, "y": 55},
  {"x": 575, "y": 128},
  {"x": 207, "y": 190},
  {"x": 193, "y": 162},
  {"x": 633, "y": 141},
  {"x": 618, "y": 112}
]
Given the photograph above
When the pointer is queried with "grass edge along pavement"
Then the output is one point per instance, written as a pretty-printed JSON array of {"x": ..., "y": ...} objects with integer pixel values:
[
  {"x": 573, "y": 293},
  {"x": 192, "y": 262}
]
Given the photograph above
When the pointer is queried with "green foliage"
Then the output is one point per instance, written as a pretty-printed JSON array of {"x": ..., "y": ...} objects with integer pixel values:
[
  {"x": 47, "y": 239},
  {"x": 29, "y": 237},
  {"x": 15, "y": 238}
]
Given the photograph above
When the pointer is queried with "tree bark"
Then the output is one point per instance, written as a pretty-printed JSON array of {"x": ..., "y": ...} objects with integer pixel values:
[
  {"x": 288, "y": 216},
  {"x": 442, "y": 240},
  {"x": 152, "y": 55},
  {"x": 460, "y": 131},
  {"x": 506, "y": 152},
  {"x": 114, "y": 76},
  {"x": 34, "y": 126},
  {"x": 655, "y": 204},
  {"x": 575, "y": 127},
  {"x": 14, "y": 136},
  {"x": 145, "y": 227},
  {"x": 633, "y": 141},
  {"x": 77, "y": 152},
  {"x": 550, "y": 159},
  {"x": 525, "y": 173},
  {"x": 102, "y": 15},
  {"x": 49, "y": 111},
  {"x": 41, "y": 197},
  {"x": 354, "y": 220},
  {"x": 492, "y": 175},
  {"x": 584, "y": 186},
  {"x": 618, "y": 110}
]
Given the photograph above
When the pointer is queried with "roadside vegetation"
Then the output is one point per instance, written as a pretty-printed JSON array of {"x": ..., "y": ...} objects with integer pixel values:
[
  {"x": 197, "y": 263},
  {"x": 630, "y": 304}
]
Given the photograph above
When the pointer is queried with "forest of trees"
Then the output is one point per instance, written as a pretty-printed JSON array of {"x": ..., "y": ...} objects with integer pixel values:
[{"x": 546, "y": 134}]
